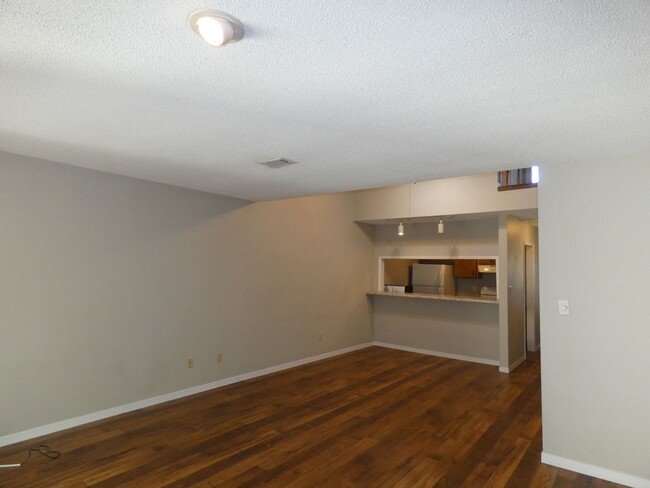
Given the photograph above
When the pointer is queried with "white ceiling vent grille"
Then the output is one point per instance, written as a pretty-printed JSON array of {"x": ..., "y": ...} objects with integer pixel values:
[{"x": 279, "y": 163}]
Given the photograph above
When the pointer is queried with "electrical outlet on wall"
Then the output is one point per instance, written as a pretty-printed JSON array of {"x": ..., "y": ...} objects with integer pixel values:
[
  {"x": 190, "y": 363},
  {"x": 218, "y": 358}
]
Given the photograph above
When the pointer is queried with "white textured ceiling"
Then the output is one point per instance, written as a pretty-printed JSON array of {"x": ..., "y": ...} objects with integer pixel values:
[{"x": 362, "y": 94}]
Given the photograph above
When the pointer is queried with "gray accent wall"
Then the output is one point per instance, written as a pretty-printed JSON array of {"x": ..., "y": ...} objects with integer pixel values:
[
  {"x": 109, "y": 284},
  {"x": 456, "y": 329},
  {"x": 594, "y": 237}
]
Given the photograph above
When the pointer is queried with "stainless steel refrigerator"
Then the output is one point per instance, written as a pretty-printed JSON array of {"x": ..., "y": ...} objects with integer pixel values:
[{"x": 436, "y": 279}]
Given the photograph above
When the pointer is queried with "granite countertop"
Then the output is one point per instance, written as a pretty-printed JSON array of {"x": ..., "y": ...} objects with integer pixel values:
[{"x": 427, "y": 296}]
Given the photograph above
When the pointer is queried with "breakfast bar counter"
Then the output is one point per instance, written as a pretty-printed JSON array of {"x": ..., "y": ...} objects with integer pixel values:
[{"x": 426, "y": 296}]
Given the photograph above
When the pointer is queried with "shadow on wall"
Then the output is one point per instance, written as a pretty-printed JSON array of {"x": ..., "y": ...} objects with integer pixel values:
[{"x": 367, "y": 229}]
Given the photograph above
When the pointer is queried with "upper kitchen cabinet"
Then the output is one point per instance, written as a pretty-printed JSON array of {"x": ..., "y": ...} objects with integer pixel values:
[
  {"x": 452, "y": 196},
  {"x": 465, "y": 268}
]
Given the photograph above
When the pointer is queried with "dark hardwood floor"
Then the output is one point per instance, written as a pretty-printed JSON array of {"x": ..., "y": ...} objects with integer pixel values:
[{"x": 372, "y": 418}]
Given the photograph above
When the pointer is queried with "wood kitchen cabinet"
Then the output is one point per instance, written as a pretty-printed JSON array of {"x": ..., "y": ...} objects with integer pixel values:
[{"x": 466, "y": 268}]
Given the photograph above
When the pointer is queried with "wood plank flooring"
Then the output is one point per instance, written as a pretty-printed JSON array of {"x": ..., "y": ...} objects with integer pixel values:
[{"x": 372, "y": 418}]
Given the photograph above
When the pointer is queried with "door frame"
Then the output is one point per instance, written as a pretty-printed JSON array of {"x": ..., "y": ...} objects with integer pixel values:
[{"x": 530, "y": 297}]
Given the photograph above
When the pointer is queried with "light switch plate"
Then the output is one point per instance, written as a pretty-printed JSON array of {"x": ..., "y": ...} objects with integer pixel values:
[{"x": 563, "y": 306}]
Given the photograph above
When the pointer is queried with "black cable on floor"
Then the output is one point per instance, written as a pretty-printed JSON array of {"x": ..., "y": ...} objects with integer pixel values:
[{"x": 42, "y": 449}]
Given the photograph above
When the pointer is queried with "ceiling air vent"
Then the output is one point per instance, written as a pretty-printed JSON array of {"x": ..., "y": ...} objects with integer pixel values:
[{"x": 278, "y": 163}]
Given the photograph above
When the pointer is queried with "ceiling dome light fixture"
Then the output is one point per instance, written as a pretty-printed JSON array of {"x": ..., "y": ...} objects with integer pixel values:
[{"x": 215, "y": 27}]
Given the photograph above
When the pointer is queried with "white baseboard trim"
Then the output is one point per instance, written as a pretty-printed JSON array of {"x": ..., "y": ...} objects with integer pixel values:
[
  {"x": 595, "y": 471},
  {"x": 491, "y": 362},
  {"x": 130, "y": 407},
  {"x": 511, "y": 368}
]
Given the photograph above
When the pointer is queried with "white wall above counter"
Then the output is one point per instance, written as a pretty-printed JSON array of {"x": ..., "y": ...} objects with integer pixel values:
[{"x": 472, "y": 195}]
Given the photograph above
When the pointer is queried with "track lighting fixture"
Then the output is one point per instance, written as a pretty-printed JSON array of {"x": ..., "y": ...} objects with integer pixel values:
[
  {"x": 400, "y": 229},
  {"x": 441, "y": 227}
]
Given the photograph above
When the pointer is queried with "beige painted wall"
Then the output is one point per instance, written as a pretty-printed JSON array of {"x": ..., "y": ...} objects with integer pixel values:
[
  {"x": 396, "y": 271},
  {"x": 467, "y": 194},
  {"x": 449, "y": 196},
  {"x": 594, "y": 236},
  {"x": 108, "y": 284}
]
